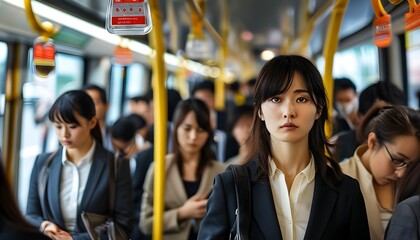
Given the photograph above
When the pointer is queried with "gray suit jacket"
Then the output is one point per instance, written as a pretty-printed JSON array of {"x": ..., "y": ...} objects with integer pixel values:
[
  {"x": 405, "y": 221},
  {"x": 95, "y": 197},
  {"x": 175, "y": 197}
]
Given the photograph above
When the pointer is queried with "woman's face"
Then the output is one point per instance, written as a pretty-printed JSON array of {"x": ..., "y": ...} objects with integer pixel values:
[
  {"x": 73, "y": 136},
  {"x": 191, "y": 137},
  {"x": 290, "y": 116},
  {"x": 384, "y": 160}
]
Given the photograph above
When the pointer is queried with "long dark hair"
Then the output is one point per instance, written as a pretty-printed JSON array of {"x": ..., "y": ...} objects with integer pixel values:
[
  {"x": 275, "y": 78},
  {"x": 202, "y": 115},
  {"x": 389, "y": 122},
  {"x": 409, "y": 185},
  {"x": 9, "y": 211},
  {"x": 75, "y": 101}
]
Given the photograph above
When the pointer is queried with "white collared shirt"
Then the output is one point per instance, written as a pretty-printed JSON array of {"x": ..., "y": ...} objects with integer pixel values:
[
  {"x": 73, "y": 183},
  {"x": 293, "y": 210}
]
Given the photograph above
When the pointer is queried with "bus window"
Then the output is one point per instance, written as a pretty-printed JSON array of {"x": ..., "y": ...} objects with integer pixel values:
[
  {"x": 37, "y": 133},
  {"x": 115, "y": 96},
  {"x": 3, "y": 68},
  {"x": 137, "y": 82},
  {"x": 359, "y": 63},
  {"x": 413, "y": 65}
]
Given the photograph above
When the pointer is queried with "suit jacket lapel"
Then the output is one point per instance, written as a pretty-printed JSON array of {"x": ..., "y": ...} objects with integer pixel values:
[
  {"x": 99, "y": 162},
  {"x": 322, "y": 206},
  {"x": 174, "y": 182},
  {"x": 53, "y": 188},
  {"x": 263, "y": 207}
]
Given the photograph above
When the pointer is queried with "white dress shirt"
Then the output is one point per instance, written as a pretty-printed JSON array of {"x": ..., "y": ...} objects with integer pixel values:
[
  {"x": 73, "y": 183},
  {"x": 293, "y": 209}
]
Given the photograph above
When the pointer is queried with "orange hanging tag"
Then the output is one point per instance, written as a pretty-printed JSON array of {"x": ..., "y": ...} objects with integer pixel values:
[
  {"x": 43, "y": 56},
  {"x": 412, "y": 19},
  {"x": 128, "y": 17},
  {"x": 382, "y": 32}
]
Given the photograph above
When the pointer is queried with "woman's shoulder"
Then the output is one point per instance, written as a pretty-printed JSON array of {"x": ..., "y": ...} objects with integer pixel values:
[
  {"x": 217, "y": 166},
  {"x": 413, "y": 202}
]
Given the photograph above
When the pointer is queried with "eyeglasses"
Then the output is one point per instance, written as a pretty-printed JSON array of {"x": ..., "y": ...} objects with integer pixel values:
[{"x": 397, "y": 163}]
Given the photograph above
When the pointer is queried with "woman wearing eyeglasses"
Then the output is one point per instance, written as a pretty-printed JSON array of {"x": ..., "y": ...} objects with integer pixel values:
[{"x": 392, "y": 140}]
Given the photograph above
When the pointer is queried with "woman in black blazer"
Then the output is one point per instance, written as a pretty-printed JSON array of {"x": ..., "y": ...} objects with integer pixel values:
[
  {"x": 77, "y": 179},
  {"x": 405, "y": 220},
  {"x": 297, "y": 190}
]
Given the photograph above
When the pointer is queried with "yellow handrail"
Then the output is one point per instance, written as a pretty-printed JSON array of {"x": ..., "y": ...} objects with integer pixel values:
[
  {"x": 310, "y": 26},
  {"x": 195, "y": 7},
  {"x": 160, "y": 113},
  {"x": 45, "y": 29},
  {"x": 378, "y": 9},
  {"x": 220, "y": 83},
  {"x": 330, "y": 46}
]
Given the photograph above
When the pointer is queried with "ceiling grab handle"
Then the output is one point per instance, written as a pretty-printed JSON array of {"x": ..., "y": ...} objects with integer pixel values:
[
  {"x": 382, "y": 30},
  {"x": 412, "y": 17},
  {"x": 156, "y": 39},
  {"x": 45, "y": 29},
  {"x": 330, "y": 47}
]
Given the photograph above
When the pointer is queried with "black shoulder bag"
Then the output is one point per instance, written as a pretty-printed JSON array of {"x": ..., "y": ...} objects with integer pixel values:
[
  {"x": 243, "y": 201},
  {"x": 103, "y": 226}
]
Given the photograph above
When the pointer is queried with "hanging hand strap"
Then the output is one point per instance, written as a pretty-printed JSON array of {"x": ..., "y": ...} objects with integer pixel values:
[{"x": 243, "y": 201}]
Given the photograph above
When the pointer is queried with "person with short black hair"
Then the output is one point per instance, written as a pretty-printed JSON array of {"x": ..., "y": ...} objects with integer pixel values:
[{"x": 77, "y": 174}]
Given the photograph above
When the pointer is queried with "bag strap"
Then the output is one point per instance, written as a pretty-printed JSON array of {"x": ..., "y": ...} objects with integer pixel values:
[
  {"x": 243, "y": 200},
  {"x": 42, "y": 183},
  {"x": 112, "y": 172}
]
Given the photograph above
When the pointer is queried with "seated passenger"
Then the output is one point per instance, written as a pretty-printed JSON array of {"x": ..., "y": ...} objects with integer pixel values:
[
  {"x": 405, "y": 221},
  {"x": 190, "y": 170},
  {"x": 76, "y": 179},
  {"x": 392, "y": 142}
]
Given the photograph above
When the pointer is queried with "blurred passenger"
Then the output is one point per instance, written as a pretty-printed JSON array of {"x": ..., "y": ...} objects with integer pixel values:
[
  {"x": 141, "y": 105},
  {"x": 141, "y": 131},
  {"x": 190, "y": 170},
  {"x": 75, "y": 178},
  {"x": 392, "y": 140},
  {"x": 205, "y": 92},
  {"x": 347, "y": 142},
  {"x": 345, "y": 105},
  {"x": 12, "y": 224},
  {"x": 247, "y": 89},
  {"x": 405, "y": 221},
  {"x": 123, "y": 135},
  {"x": 240, "y": 127},
  {"x": 99, "y": 98},
  {"x": 297, "y": 190}
]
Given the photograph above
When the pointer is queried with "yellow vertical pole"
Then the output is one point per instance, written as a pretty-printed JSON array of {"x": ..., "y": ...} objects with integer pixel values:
[
  {"x": 13, "y": 110},
  {"x": 160, "y": 112},
  {"x": 219, "y": 83},
  {"x": 330, "y": 46}
]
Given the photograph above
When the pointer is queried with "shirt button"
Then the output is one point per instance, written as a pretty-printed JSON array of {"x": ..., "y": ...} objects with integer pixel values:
[{"x": 290, "y": 222}]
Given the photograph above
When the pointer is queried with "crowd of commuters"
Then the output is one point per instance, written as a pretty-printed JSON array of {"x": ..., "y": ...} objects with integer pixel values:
[{"x": 360, "y": 184}]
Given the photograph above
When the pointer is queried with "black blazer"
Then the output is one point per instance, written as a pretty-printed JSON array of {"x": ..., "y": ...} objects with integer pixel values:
[
  {"x": 405, "y": 220},
  {"x": 335, "y": 214},
  {"x": 95, "y": 197}
]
